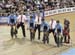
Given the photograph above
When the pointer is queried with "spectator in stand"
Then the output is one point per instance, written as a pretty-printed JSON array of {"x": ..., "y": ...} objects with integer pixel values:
[{"x": 32, "y": 4}]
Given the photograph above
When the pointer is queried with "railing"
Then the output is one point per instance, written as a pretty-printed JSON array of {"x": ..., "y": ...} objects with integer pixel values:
[
  {"x": 58, "y": 11},
  {"x": 51, "y": 12},
  {"x": 47, "y": 13}
]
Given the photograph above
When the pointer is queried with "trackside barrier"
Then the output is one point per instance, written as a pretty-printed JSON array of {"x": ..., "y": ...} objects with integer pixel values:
[
  {"x": 47, "y": 13},
  {"x": 3, "y": 20},
  {"x": 58, "y": 11}
]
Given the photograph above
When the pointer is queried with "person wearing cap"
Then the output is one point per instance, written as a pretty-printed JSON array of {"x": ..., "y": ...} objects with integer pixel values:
[
  {"x": 21, "y": 19},
  {"x": 12, "y": 18},
  {"x": 66, "y": 31}
]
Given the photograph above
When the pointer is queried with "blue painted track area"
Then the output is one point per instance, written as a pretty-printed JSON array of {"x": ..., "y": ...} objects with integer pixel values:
[{"x": 70, "y": 52}]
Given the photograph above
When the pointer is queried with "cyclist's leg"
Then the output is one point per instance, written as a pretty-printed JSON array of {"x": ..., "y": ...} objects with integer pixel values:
[
  {"x": 47, "y": 39},
  {"x": 61, "y": 41},
  {"x": 15, "y": 32},
  {"x": 57, "y": 39},
  {"x": 47, "y": 36},
  {"x": 11, "y": 31},
  {"x": 33, "y": 34},
  {"x": 68, "y": 36},
  {"x": 65, "y": 36},
  {"x": 44, "y": 39}
]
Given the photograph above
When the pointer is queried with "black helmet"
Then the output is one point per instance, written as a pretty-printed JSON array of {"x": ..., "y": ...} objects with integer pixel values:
[
  {"x": 31, "y": 16},
  {"x": 57, "y": 21}
]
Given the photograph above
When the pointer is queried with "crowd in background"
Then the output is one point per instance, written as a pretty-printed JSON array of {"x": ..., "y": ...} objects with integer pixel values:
[{"x": 33, "y": 5}]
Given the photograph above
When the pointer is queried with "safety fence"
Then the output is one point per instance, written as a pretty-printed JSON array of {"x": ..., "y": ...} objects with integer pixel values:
[{"x": 46, "y": 13}]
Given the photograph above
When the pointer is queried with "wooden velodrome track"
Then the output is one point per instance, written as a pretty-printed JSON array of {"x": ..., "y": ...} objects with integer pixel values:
[{"x": 21, "y": 46}]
